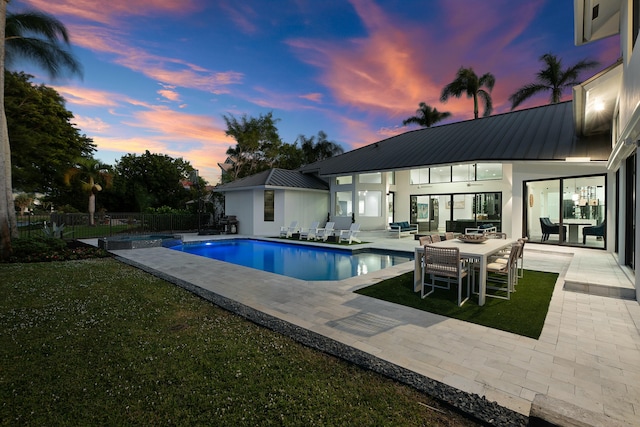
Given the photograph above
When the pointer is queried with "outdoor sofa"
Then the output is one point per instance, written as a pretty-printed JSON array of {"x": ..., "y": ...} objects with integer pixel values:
[{"x": 403, "y": 228}]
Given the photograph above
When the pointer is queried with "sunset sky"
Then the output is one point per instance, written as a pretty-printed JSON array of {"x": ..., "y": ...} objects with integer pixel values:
[{"x": 160, "y": 74}]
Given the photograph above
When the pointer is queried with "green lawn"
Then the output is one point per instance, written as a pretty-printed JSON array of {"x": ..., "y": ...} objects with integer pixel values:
[
  {"x": 96, "y": 342},
  {"x": 523, "y": 314}
]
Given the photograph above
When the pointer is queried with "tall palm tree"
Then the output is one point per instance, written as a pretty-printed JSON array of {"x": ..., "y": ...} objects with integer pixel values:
[
  {"x": 468, "y": 82},
  {"x": 43, "y": 39},
  {"x": 552, "y": 78},
  {"x": 426, "y": 116},
  {"x": 90, "y": 172}
]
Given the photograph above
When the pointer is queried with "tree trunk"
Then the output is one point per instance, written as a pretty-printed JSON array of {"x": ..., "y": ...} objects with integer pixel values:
[
  {"x": 92, "y": 208},
  {"x": 8, "y": 221}
]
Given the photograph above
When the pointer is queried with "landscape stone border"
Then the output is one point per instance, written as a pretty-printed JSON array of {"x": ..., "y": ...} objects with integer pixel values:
[{"x": 469, "y": 404}]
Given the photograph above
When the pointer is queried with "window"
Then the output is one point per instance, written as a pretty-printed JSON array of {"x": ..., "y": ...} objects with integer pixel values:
[
  {"x": 344, "y": 203},
  {"x": 342, "y": 180},
  {"x": 420, "y": 176},
  {"x": 370, "y": 178},
  {"x": 488, "y": 171},
  {"x": 391, "y": 178},
  {"x": 370, "y": 203},
  {"x": 462, "y": 173},
  {"x": 269, "y": 197},
  {"x": 441, "y": 174}
]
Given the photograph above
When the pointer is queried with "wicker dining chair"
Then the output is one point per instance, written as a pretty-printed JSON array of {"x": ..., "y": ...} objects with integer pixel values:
[
  {"x": 444, "y": 264},
  {"x": 425, "y": 240}
]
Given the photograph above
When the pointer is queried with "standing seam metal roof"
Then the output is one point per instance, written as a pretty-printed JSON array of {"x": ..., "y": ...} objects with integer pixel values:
[
  {"x": 277, "y": 178},
  {"x": 543, "y": 133}
]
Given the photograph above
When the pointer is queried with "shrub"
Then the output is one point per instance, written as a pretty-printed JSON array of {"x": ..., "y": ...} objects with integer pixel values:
[{"x": 46, "y": 249}]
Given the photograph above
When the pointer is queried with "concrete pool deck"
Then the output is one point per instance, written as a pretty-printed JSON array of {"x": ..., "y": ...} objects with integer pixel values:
[{"x": 588, "y": 354}]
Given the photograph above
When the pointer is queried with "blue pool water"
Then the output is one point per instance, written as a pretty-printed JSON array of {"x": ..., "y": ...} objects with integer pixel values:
[{"x": 298, "y": 261}]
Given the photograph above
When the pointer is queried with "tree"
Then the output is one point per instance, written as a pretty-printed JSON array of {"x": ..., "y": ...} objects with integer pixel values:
[
  {"x": 468, "y": 82},
  {"x": 44, "y": 40},
  {"x": 257, "y": 144},
  {"x": 44, "y": 142},
  {"x": 90, "y": 172},
  {"x": 152, "y": 181},
  {"x": 552, "y": 78},
  {"x": 314, "y": 150},
  {"x": 23, "y": 201},
  {"x": 426, "y": 116}
]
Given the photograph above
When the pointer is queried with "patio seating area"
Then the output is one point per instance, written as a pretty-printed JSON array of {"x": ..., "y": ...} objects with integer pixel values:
[{"x": 582, "y": 356}]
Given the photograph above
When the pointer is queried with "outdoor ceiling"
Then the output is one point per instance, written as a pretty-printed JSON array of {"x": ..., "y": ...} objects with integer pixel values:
[
  {"x": 594, "y": 101},
  {"x": 595, "y": 19}
]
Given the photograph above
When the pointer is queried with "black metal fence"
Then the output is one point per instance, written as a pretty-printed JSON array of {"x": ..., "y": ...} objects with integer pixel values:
[{"x": 77, "y": 225}]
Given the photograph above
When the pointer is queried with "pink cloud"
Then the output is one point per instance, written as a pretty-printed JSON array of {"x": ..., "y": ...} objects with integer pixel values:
[
  {"x": 171, "y": 71},
  {"x": 315, "y": 97},
  {"x": 91, "y": 125},
  {"x": 108, "y": 12},
  {"x": 241, "y": 14},
  {"x": 87, "y": 97},
  {"x": 171, "y": 95}
]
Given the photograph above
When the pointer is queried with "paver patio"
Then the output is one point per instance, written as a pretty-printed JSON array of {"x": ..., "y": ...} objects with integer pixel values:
[{"x": 588, "y": 353}]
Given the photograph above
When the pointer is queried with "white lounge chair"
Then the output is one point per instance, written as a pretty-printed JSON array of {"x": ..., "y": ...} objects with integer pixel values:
[
  {"x": 350, "y": 234},
  {"x": 288, "y": 231},
  {"x": 324, "y": 233},
  {"x": 311, "y": 232}
]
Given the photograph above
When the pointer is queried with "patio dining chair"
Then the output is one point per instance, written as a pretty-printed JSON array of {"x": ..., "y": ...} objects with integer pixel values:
[
  {"x": 444, "y": 264},
  {"x": 425, "y": 240},
  {"x": 502, "y": 277},
  {"x": 435, "y": 238},
  {"x": 449, "y": 235}
]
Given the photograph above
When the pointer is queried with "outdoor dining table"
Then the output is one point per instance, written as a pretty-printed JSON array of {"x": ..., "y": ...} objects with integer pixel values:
[{"x": 479, "y": 252}]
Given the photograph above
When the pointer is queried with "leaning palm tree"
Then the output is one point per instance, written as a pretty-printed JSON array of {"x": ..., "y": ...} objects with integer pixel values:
[
  {"x": 468, "y": 82},
  {"x": 90, "y": 172},
  {"x": 552, "y": 78},
  {"x": 43, "y": 39},
  {"x": 426, "y": 116}
]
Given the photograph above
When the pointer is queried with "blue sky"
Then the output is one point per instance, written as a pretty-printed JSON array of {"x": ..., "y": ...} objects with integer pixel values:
[{"x": 160, "y": 74}]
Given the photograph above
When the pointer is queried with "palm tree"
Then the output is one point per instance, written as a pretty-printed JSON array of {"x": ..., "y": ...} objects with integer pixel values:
[
  {"x": 467, "y": 81},
  {"x": 552, "y": 78},
  {"x": 426, "y": 116},
  {"x": 313, "y": 151},
  {"x": 43, "y": 39},
  {"x": 90, "y": 172}
]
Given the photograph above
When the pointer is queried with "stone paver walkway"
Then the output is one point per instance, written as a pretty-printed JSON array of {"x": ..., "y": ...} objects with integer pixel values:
[{"x": 588, "y": 353}]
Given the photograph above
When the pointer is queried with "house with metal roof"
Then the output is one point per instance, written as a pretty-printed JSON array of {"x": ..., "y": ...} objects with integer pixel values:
[{"x": 509, "y": 170}]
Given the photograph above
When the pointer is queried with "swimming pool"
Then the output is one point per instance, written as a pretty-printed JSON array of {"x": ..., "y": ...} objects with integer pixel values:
[{"x": 298, "y": 261}]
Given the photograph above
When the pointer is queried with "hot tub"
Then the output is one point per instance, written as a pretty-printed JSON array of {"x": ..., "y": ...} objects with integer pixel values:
[{"x": 139, "y": 241}]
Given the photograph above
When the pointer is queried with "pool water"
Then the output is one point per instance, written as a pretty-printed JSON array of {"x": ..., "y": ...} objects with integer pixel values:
[{"x": 297, "y": 261}]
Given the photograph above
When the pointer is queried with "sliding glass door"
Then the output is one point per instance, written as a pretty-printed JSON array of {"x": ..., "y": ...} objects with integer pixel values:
[{"x": 567, "y": 211}]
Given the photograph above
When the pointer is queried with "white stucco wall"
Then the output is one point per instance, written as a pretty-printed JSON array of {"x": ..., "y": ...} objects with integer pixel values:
[
  {"x": 630, "y": 91},
  {"x": 241, "y": 204},
  {"x": 304, "y": 206}
]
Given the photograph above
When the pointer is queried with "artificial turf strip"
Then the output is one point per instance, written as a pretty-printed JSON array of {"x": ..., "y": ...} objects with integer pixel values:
[{"x": 523, "y": 314}]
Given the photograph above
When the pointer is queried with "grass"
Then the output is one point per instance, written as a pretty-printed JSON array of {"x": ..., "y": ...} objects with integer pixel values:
[
  {"x": 523, "y": 314},
  {"x": 96, "y": 342}
]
